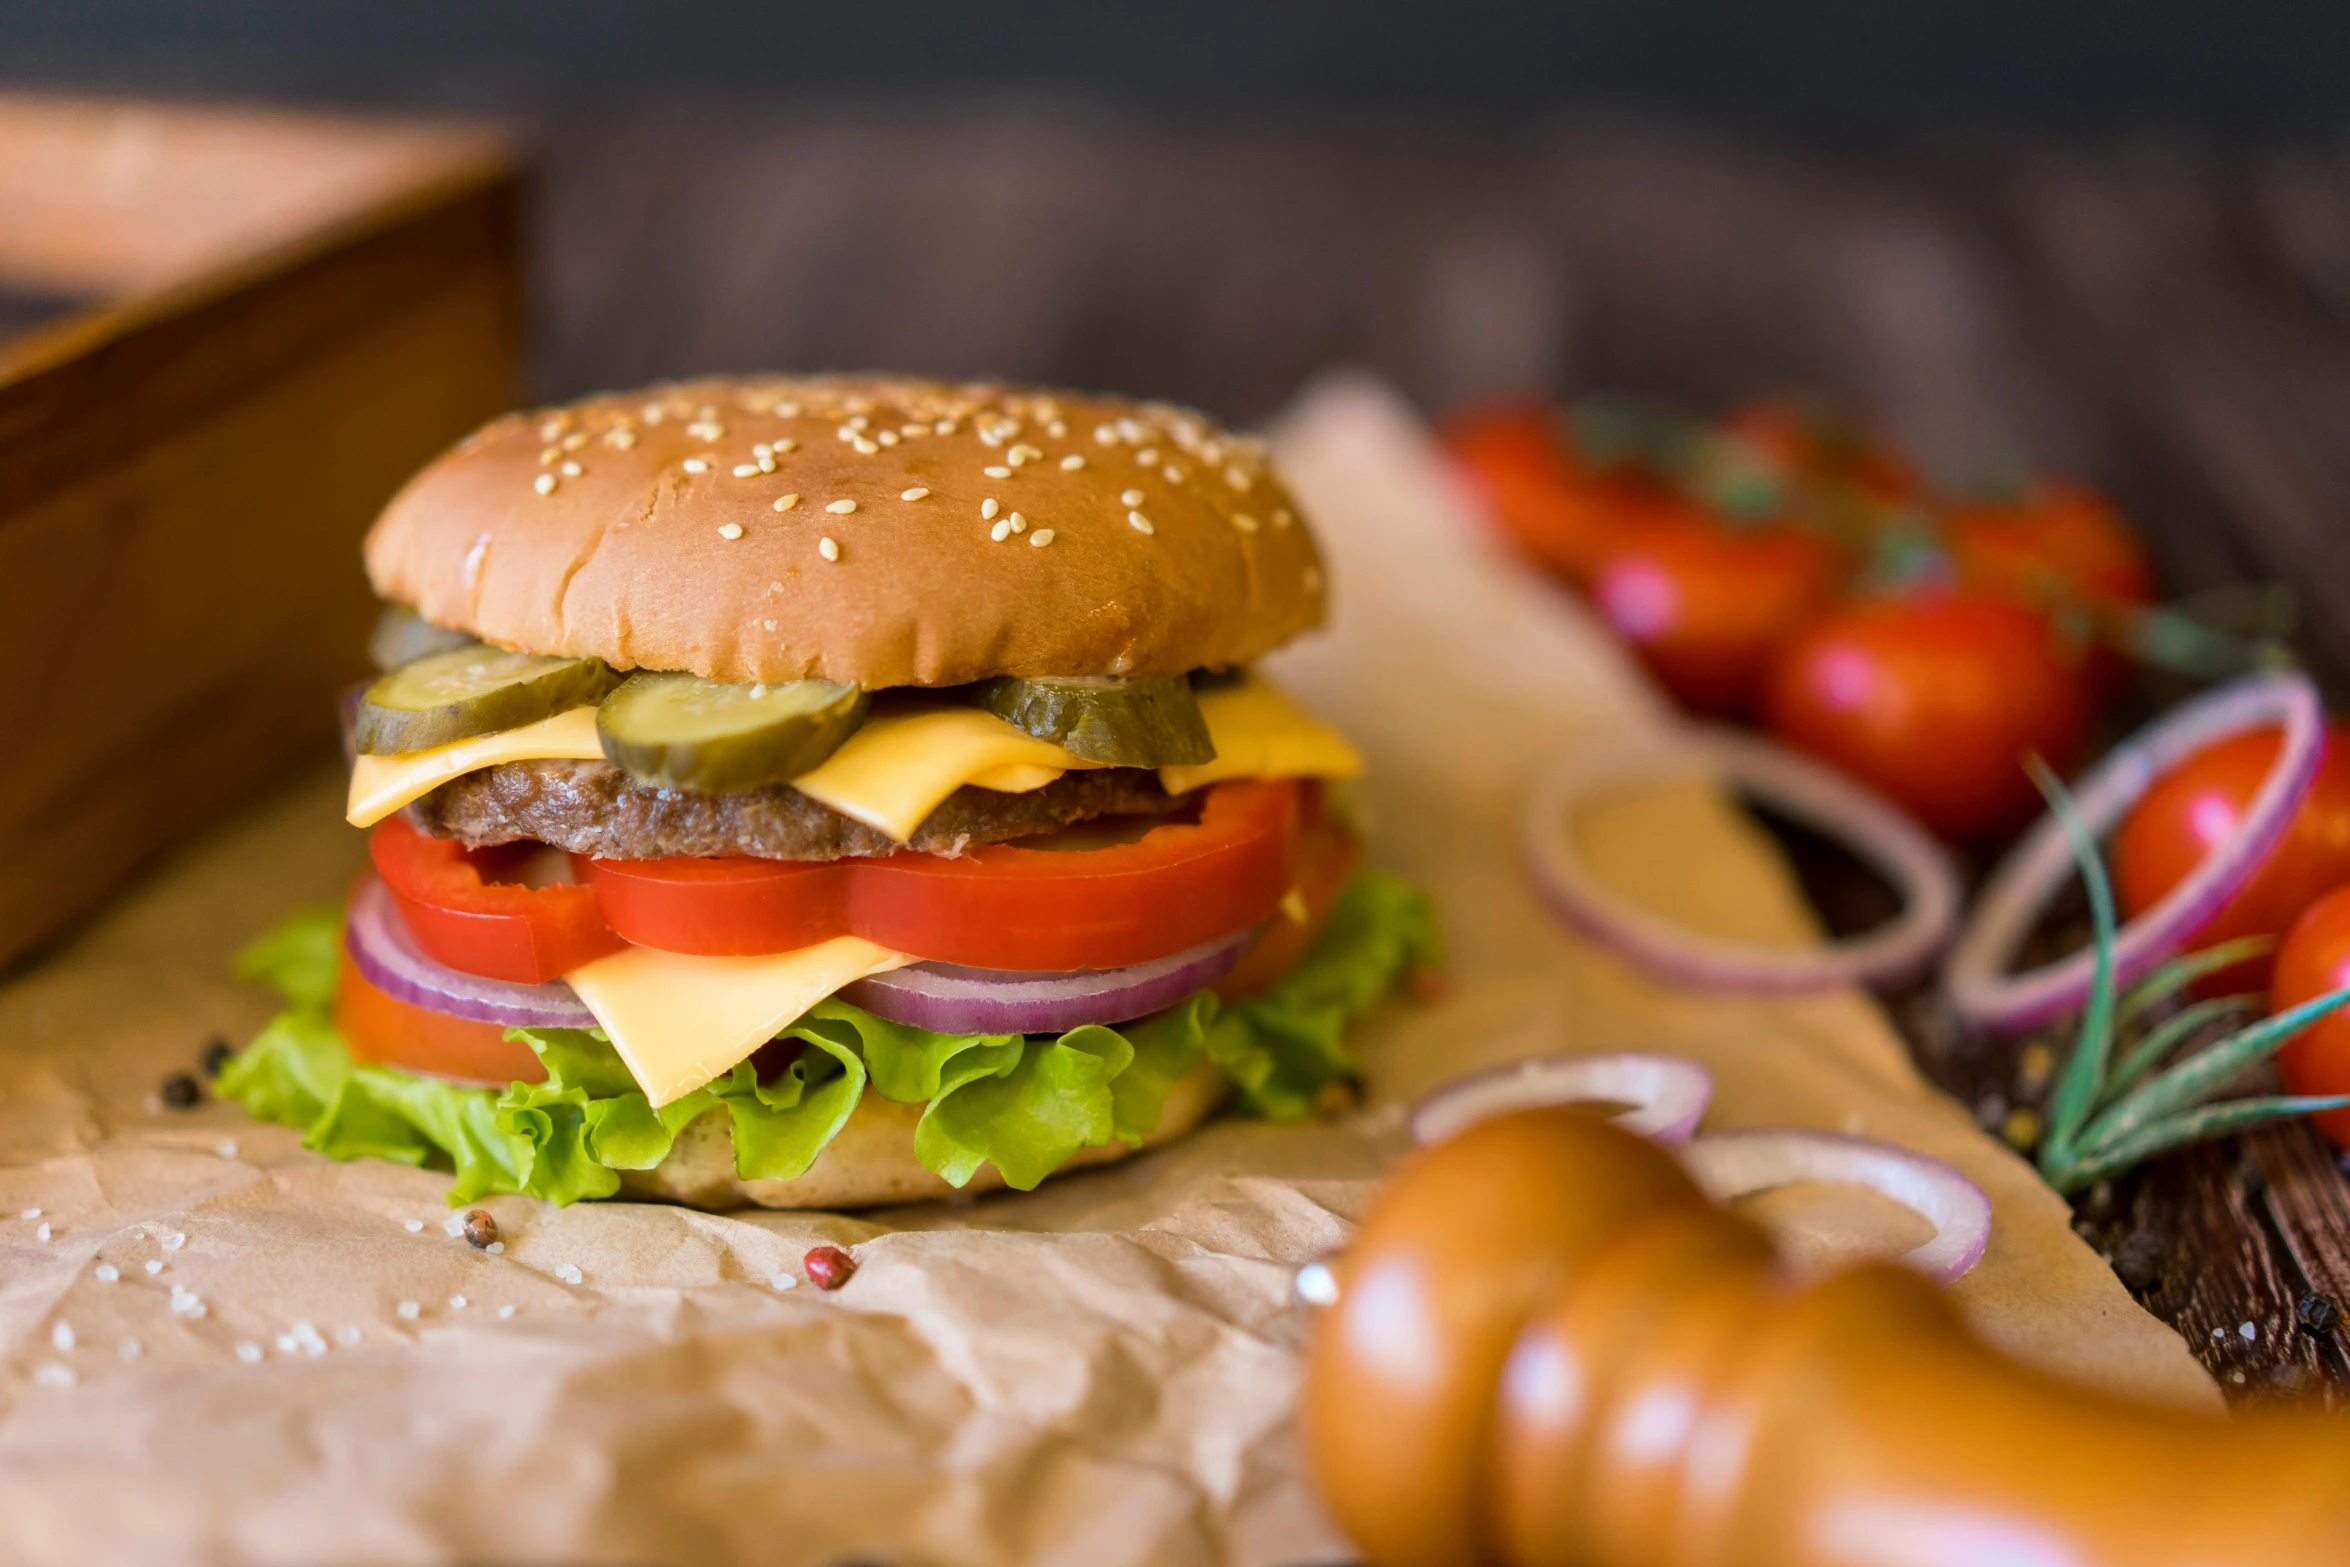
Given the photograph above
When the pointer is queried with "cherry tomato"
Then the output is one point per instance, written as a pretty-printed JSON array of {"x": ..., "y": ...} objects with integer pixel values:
[
  {"x": 1326, "y": 855},
  {"x": 1818, "y": 446},
  {"x": 1518, "y": 458},
  {"x": 2314, "y": 961},
  {"x": 1707, "y": 604},
  {"x": 1004, "y": 906},
  {"x": 389, "y": 1032},
  {"x": 463, "y": 913},
  {"x": 2197, "y": 805},
  {"x": 1934, "y": 700},
  {"x": 2058, "y": 543}
]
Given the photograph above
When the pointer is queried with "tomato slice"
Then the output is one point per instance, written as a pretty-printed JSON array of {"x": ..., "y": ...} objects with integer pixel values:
[
  {"x": 1326, "y": 855},
  {"x": 1001, "y": 906},
  {"x": 390, "y": 1032},
  {"x": 464, "y": 915}
]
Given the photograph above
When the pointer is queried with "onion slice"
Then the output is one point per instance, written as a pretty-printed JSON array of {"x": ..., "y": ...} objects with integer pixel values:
[
  {"x": 1804, "y": 789},
  {"x": 950, "y": 999},
  {"x": 387, "y": 956},
  {"x": 2041, "y": 860},
  {"x": 1667, "y": 1094},
  {"x": 1739, "y": 1164}
]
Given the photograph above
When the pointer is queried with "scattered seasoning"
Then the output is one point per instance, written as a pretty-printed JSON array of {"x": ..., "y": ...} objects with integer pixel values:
[
  {"x": 1132, "y": 497},
  {"x": 54, "y": 1374},
  {"x": 988, "y": 509},
  {"x": 180, "y": 1091},
  {"x": 1244, "y": 522},
  {"x": 571, "y": 470},
  {"x": 730, "y": 530},
  {"x": 545, "y": 483},
  {"x": 505, "y": 1311},
  {"x": 997, "y": 471},
  {"x": 496, "y": 1248},
  {"x": 841, "y": 508},
  {"x": 347, "y": 1335},
  {"x": 568, "y": 1272},
  {"x": 1018, "y": 522},
  {"x": 1041, "y": 537},
  {"x": 783, "y": 1281},
  {"x": 218, "y": 1053},
  {"x": 409, "y": 1310},
  {"x": 1139, "y": 523},
  {"x": 154, "y": 1266},
  {"x": 786, "y": 502},
  {"x": 864, "y": 448},
  {"x": 1001, "y": 531},
  {"x": 829, "y": 1267},
  {"x": 414, "y": 1226},
  {"x": 887, "y": 438},
  {"x": 697, "y": 465},
  {"x": 107, "y": 1272},
  {"x": 746, "y": 470},
  {"x": 786, "y": 447},
  {"x": 1071, "y": 463},
  {"x": 1237, "y": 478},
  {"x": 30, "y": 1214},
  {"x": 2248, "y": 1332},
  {"x": 2316, "y": 1312},
  {"x": 61, "y": 1334},
  {"x": 914, "y": 494},
  {"x": 250, "y": 1353},
  {"x": 41, "y": 1231},
  {"x": 456, "y": 1303},
  {"x": 1171, "y": 472},
  {"x": 827, "y": 548},
  {"x": 481, "y": 1228}
]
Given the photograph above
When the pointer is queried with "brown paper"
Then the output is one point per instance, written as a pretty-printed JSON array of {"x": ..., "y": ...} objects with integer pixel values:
[{"x": 1099, "y": 1372}]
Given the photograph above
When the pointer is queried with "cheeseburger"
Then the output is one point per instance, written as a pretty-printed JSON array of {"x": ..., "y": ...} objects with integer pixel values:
[{"x": 829, "y": 792}]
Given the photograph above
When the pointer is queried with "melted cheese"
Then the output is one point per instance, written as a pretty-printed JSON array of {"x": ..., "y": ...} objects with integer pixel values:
[
  {"x": 1261, "y": 733},
  {"x": 895, "y": 770},
  {"x": 679, "y": 1021},
  {"x": 380, "y": 785}
]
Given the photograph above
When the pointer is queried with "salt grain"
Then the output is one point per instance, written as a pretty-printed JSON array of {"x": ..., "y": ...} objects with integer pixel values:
[
  {"x": 414, "y": 1226},
  {"x": 131, "y": 1349},
  {"x": 347, "y": 1335},
  {"x": 154, "y": 1266},
  {"x": 249, "y": 1353},
  {"x": 568, "y": 1272},
  {"x": 55, "y": 1375},
  {"x": 61, "y": 1334},
  {"x": 174, "y": 1241},
  {"x": 505, "y": 1311},
  {"x": 784, "y": 1281},
  {"x": 786, "y": 502},
  {"x": 409, "y": 1310},
  {"x": 107, "y": 1272},
  {"x": 456, "y": 1303},
  {"x": 42, "y": 1232},
  {"x": 30, "y": 1214},
  {"x": 226, "y": 1148}
]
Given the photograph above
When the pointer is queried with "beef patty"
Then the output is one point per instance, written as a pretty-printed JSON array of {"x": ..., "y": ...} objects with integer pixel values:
[{"x": 595, "y": 808}]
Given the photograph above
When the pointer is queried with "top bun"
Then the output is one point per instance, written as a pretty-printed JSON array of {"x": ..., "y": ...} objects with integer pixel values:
[{"x": 643, "y": 529}]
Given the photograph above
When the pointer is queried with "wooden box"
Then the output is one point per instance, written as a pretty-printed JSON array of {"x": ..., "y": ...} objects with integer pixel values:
[{"x": 226, "y": 337}]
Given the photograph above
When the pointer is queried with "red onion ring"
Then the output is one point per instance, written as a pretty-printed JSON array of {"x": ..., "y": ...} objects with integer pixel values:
[
  {"x": 1668, "y": 1094},
  {"x": 951, "y": 999},
  {"x": 2041, "y": 860},
  {"x": 388, "y": 957},
  {"x": 1738, "y": 1164},
  {"x": 1804, "y": 789}
]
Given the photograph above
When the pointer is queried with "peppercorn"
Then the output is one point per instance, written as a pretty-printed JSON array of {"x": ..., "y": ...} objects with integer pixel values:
[
  {"x": 481, "y": 1228},
  {"x": 217, "y": 1054},
  {"x": 828, "y": 1267},
  {"x": 2316, "y": 1312},
  {"x": 2139, "y": 1260},
  {"x": 181, "y": 1092}
]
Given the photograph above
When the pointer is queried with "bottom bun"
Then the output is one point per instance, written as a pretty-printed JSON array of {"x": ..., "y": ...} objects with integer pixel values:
[{"x": 872, "y": 1160}]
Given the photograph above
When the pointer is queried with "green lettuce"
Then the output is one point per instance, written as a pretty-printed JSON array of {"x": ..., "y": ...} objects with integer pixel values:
[{"x": 1026, "y": 1104}]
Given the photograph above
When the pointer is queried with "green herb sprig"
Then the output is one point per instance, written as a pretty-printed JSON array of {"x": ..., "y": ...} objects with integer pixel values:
[{"x": 2107, "y": 1116}]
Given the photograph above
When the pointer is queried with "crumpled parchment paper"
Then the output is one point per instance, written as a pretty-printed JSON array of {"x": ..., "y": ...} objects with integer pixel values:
[{"x": 220, "y": 1348}]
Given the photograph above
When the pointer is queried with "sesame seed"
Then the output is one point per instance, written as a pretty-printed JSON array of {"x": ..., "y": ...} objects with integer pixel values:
[
  {"x": 998, "y": 471},
  {"x": 1071, "y": 463},
  {"x": 571, "y": 470},
  {"x": 886, "y": 438},
  {"x": 575, "y": 440},
  {"x": 1244, "y": 522},
  {"x": 250, "y": 1353},
  {"x": 1283, "y": 517},
  {"x": 786, "y": 502},
  {"x": 696, "y": 465},
  {"x": 844, "y": 435},
  {"x": 1171, "y": 472},
  {"x": 987, "y": 509},
  {"x": 545, "y": 483},
  {"x": 746, "y": 470},
  {"x": 1313, "y": 578},
  {"x": 1139, "y": 523},
  {"x": 1103, "y": 435},
  {"x": 730, "y": 530},
  {"x": 841, "y": 508},
  {"x": 944, "y": 427},
  {"x": 61, "y": 1334},
  {"x": 54, "y": 1374},
  {"x": 409, "y": 1310},
  {"x": 623, "y": 439},
  {"x": 553, "y": 428},
  {"x": 547, "y": 457},
  {"x": 914, "y": 494},
  {"x": 1058, "y": 431},
  {"x": 1041, "y": 537},
  {"x": 909, "y": 431},
  {"x": 413, "y": 1226},
  {"x": 1148, "y": 456},
  {"x": 1131, "y": 497},
  {"x": 107, "y": 1272},
  {"x": 826, "y": 548},
  {"x": 786, "y": 446},
  {"x": 1018, "y": 523},
  {"x": 864, "y": 447},
  {"x": 1001, "y": 531},
  {"x": 1236, "y": 477}
]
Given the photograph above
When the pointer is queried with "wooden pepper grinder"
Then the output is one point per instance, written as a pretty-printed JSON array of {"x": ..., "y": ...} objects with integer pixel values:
[{"x": 1550, "y": 1350}]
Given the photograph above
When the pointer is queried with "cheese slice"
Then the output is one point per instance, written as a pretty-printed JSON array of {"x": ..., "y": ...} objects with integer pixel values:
[
  {"x": 1260, "y": 733},
  {"x": 679, "y": 1021},
  {"x": 896, "y": 769},
  {"x": 380, "y": 785}
]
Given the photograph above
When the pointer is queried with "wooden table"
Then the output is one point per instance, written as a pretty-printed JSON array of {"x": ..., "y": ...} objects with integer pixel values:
[{"x": 2168, "y": 318}]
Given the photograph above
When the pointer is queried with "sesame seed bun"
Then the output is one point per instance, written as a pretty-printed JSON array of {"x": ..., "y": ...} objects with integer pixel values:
[
  {"x": 872, "y": 1160},
  {"x": 940, "y": 534}
]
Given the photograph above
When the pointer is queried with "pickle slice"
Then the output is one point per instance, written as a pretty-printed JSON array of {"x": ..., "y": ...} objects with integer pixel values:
[
  {"x": 473, "y": 690},
  {"x": 402, "y": 636},
  {"x": 1151, "y": 722},
  {"x": 680, "y": 731}
]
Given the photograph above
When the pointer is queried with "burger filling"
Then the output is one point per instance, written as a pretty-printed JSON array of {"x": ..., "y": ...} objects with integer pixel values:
[{"x": 603, "y": 910}]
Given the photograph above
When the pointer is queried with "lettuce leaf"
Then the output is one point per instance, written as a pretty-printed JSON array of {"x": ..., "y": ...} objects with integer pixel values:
[{"x": 1025, "y": 1104}]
